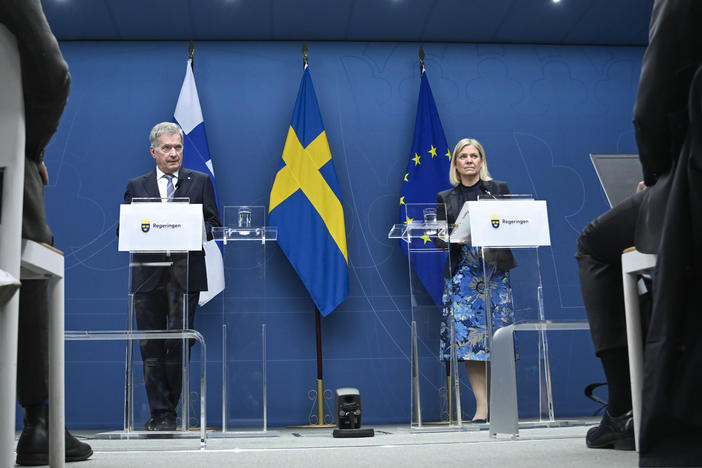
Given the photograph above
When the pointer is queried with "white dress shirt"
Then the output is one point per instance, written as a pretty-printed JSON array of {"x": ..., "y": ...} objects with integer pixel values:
[{"x": 163, "y": 183}]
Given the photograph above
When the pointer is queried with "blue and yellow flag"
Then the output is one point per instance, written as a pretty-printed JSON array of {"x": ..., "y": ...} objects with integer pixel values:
[
  {"x": 306, "y": 206},
  {"x": 426, "y": 175}
]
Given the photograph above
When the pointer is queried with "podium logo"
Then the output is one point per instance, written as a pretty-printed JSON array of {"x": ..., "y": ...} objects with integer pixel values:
[
  {"x": 145, "y": 225},
  {"x": 495, "y": 221}
]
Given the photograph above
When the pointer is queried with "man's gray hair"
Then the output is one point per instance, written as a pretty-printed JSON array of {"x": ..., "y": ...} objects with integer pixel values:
[{"x": 164, "y": 128}]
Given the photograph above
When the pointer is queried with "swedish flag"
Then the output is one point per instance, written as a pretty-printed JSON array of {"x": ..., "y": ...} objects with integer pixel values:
[{"x": 306, "y": 206}]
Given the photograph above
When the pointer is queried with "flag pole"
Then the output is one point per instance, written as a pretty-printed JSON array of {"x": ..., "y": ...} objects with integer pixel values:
[
  {"x": 185, "y": 352},
  {"x": 449, "y": 399},
  {"x": 447, "y": 365},
  {"x": 318, "y": 394},
  {"x": 191, "y": 50},
  {"x": 317, "y": 320},
  {"x": 320, "y": 379},
  {"x": 421, "y": 60}
]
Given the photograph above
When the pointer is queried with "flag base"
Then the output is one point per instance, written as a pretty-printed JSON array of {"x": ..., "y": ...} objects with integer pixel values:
[
  {"x": 348, "y": 433},
  {"x": 319, "y": 394},
  {"x": 312, "y": 426}
]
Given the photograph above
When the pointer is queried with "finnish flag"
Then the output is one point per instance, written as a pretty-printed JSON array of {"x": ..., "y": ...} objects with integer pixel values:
[{"x": 196, "y": 156}]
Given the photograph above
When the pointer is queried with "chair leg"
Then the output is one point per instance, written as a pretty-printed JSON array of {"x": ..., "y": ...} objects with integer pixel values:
[{"x": 634, "y": 346}]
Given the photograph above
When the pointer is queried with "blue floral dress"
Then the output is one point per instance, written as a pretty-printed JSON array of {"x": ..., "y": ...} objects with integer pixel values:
[{"x": 464, "y": 304}]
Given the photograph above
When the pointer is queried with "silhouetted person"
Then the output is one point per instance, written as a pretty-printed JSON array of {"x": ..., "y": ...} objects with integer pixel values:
[
  {"x": 659, "y": 219},
  {"x": 45, "y": 83}
]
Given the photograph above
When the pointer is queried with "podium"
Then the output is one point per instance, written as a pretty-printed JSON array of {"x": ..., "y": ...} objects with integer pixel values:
[
  {"x": 435, "y": 386},
  {"x": 246, "y": 243},
  {"x": 517, "y": 224},
  {"x": 159, "y": 237}
]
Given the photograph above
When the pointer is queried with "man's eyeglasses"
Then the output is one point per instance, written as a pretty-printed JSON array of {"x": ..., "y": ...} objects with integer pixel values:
[{"x": 168, "y": 148}]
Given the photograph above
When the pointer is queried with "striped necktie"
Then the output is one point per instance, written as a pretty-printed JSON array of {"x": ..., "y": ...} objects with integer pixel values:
[{"x": 169, "y": 186}]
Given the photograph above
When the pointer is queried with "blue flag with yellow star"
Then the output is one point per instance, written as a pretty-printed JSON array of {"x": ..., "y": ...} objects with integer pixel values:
[
  {"x": 426, "y": 175},
  {"x": 305, "y": 205}
]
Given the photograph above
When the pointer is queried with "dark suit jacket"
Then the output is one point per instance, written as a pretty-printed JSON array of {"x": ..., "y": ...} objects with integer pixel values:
[
  {"x": 661, "y": 108},
  {"x": 198, "y": 187},
  {"x": 45, "y": 85},
  {"x": 451, "y": 198},
  {"x": 668, "y": 115}
]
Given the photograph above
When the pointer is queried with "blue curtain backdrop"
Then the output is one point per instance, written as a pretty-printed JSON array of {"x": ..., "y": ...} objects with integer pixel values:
[{"x": 538, "y": 110}]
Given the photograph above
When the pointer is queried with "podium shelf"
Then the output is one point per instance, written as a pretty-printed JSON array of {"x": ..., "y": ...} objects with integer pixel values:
[
  {"x": 261, "y": 234},
  {"x": 417, "y": 230}
]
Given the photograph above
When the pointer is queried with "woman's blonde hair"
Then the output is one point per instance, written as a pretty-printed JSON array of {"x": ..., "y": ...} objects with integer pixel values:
[{"x": 454, "y": 176}]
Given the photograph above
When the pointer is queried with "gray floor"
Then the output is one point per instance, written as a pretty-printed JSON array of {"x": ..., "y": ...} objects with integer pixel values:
[{"x": 392, "y": 446}]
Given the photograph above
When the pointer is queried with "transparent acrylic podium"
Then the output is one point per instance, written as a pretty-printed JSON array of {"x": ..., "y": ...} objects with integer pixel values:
[
  {"x": 245, "y": 241},
  {"x": 527, "y": 222},
  {"x": 156, "y": 275},
  {"x": 435, "y": 386}
]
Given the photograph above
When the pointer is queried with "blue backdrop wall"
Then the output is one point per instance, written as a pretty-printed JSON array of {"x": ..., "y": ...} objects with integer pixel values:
[{"x": 538, "y": 110}]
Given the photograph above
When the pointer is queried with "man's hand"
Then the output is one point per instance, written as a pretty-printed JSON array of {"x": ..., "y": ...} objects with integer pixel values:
[
  {"x": 641, "y": 186},
  {"x": 44, "y": 173}
]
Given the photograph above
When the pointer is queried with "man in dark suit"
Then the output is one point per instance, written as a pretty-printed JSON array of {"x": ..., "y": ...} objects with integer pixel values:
[
  {"x": 668, "y": 133},
  {"x": 165, "y": 297},
  {"x": 45, "y": 85},
  {"x": 664, "y": 104}
]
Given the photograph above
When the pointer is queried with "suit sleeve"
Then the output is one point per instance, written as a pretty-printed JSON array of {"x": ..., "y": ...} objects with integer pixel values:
[
  {"x": 671, "y": 58},
  {"x": 440, "y": 208},
  {"x": 504, "y": 188},
  {"x": 45, "y": 77},
  {"x": 209, "y": 208},
  {"x": 129, "y": 193},
  {"x": 440, "y": 216}
]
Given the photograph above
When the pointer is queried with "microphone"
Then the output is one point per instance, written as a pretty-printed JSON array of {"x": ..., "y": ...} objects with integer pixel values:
[
  {"x": 486, "y": 191},
  {"x": 179, "y": 183}
]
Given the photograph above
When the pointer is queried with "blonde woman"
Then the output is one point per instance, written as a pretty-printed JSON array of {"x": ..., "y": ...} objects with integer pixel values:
[{"x": 465, "y": 291}]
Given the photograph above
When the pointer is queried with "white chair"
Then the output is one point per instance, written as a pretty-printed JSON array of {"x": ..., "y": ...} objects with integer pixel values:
[
  {"x": 25, "y": 260},
  {"x": 635, "y": 263}
]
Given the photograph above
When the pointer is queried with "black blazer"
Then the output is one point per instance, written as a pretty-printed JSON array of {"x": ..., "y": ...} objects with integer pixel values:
[
  {"x": 668, "y": 121},
  {"x": 661, "y": 116},
  {"x": 198, "y": 187},
  {"x": 45, "y": 86},
  {"x": 503, "y": 258}
]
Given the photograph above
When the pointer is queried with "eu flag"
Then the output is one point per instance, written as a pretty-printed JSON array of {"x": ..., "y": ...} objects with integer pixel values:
[
  {"x": 426, "y": 175},
  {"x": 305, "y": 205}
]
